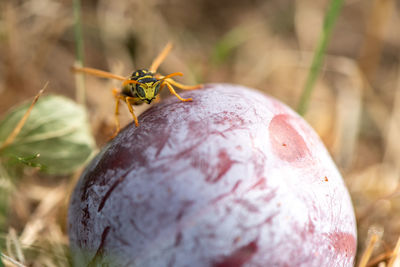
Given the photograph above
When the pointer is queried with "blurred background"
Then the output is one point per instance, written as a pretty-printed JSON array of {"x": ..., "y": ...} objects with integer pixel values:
[{"x": 264, "y": 44}]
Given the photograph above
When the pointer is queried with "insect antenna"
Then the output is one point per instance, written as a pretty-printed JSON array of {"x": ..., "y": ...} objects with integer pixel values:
[
  {"x": 126, "y": 82},
  {"x": 99, "y": 73},
  {"x": 160, "y": 58}
]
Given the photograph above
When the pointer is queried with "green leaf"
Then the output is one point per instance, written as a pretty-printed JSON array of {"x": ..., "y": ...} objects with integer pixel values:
[
  {"x": 1, "y": 262},
  {"x": 57, "y": 129}
]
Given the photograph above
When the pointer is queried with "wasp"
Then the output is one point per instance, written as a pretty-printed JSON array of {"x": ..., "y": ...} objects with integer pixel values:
[{"x": 143, "y": 86}]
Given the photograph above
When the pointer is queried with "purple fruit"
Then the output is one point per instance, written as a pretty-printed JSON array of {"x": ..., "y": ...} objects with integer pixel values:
[{"x": 234, "y": 178}]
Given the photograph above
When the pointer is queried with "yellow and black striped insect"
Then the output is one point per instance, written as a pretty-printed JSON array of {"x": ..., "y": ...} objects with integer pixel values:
[{"x": 143, "y": 86}]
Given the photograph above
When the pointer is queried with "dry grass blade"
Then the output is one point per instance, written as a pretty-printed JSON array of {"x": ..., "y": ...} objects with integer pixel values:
[
  {"x": 50, "y": 204},
  {"x": 371, "y": 50},
  {"x": 10, "y": 261},
  {"x": 392, "y": 150},
  {"x": 368, "y": 251},
  {"x": 395, "y": 259},
  {"x": 378, "y": 259},
  {"x": 21, "y": 123},
  {"x": 17, "y": 245}
]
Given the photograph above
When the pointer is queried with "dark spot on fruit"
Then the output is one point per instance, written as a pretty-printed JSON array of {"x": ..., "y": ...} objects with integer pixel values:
[
  {"x": 269, "y": 195},
  {"x": 260, "y": 184},
  {"x": 236, "y": 240},
  {"x": 97, "y": 175},
  {"x": 135, "y": 226},
  {"x": 225, "y": 163},
  {"x": 310, "y": 227},
  {"x": 224, "y": 195},
  {"x": 108, "y": 193},
  {"x": 178, "y": 239},
  {"x": 247, "y": 205},
  {"x": 286, "y": 142},
  {"x": 185, "y": 206},
  {"x": 343, "y": 243},
  {"x": 85, "y": 216},
  {"x": 239, "y": 257},
  {"x": 100, "y": 249}
]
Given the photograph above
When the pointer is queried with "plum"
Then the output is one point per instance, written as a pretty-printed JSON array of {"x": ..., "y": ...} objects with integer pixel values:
[{"x": 234, "y": 178}]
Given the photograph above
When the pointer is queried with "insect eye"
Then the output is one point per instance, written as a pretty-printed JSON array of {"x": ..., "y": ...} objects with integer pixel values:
[
  {"x": 140, "y": 91},
  {"x": 157, "y": 89}
]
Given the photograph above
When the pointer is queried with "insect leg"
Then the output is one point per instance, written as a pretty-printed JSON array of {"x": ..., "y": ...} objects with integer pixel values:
[
  {"x": 117, "y": 97},
  {"x": 158, "y": 99},
  {"x": 126, "y": 82},
  {"x": 128, "y": 100},
  {"x": 160, "y": 58},
  {"x": 171, "y": 89}
]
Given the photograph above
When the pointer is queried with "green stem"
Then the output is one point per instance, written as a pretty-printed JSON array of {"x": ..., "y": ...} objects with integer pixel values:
[
  {"x": 329, "y": 21},
  {"x": 79, "y": 78}
]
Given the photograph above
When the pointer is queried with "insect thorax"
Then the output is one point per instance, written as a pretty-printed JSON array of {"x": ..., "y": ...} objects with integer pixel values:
[
  {"x": 142, "y": 73},
  {"x": 142, "y": 76}
]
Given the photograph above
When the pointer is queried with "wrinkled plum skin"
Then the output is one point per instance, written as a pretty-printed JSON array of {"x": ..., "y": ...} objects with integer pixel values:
[{"x": 234, "y": 178}]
